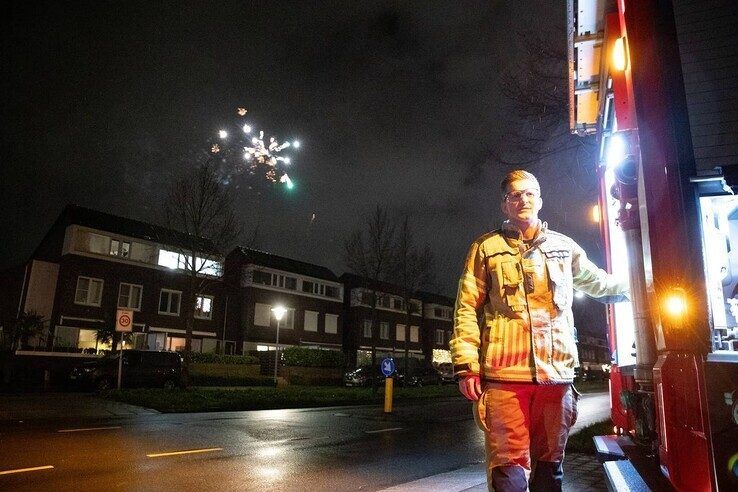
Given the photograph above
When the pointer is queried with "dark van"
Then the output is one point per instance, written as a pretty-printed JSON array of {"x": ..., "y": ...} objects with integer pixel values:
[{"x": 141, "y": 368}]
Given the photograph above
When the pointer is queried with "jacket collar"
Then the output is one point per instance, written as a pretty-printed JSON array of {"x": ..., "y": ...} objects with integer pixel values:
[{"x": 514, "y": 237}]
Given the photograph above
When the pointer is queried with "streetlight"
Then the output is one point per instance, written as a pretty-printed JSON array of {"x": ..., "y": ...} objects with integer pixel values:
[{"x": 279, "y": 312}]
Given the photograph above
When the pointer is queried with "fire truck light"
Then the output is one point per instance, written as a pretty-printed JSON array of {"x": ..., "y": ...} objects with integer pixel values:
[
  {"x": 617, "y": 149},
  {"x": 596, "y": 214},
  {"x": 619, "y": 55},
  {"x": 675, "y": 305}
]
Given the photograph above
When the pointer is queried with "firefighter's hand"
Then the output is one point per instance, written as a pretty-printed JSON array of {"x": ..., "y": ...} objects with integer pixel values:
[{"x": 470, "y": 387}]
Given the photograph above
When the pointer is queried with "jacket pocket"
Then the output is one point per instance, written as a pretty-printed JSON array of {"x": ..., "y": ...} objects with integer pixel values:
[
  {"x": 512, "y": 285},
  {"x": 559, "y": 273}
]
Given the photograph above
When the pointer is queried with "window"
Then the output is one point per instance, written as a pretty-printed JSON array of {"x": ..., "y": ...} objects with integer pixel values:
[
  {"x": 168, "y": 259},
  {"x": 332, "y": 292},
  {"x": 288, "y": 321},
  {"x": 311, "y": 321},
  {"x": 400, "y": 333},
  {"x": 398, "y": 304},
  {"x": 383, "y": 301},
  {"x": 89, "y": 291},
  {"x": 290, "y": 283},
  {"x": 263, "y": 278},
  {"x": 204, "y": 306},
  {"x": 262, "y": 314},
  {"x": 307, "y": 286},
  {"x": 367, "y": 328},
  {"x": 384, "y": 330},
  {"x": 444, "y": 313},
  {"x": 331, "y": 323},
  {"x": 366, "y": 298},
  {"x": 169, "y": 301},
  {"x": 439, "y": 337},
  {"x": 97, "y": 243},
  {"x": 120, "y": 248},
  {"x": 414, "y": 333},
  {"x": 129, "y": 296}
]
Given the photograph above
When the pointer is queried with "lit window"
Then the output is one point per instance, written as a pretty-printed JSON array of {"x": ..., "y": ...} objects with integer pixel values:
[
  {"x": 367, "y": 328},
  {"x": 262, "y": 314},
  {"x": 114, "y": 245},
  {"x": 311, "y": 321},
  {"x": 400, "y": 333},
  {"x": 169, "y": 301},
  {"x": 414, "y": 330},
  {"x": 89, "y": 291},
  {"x": 129, "y": 296},
  {"x": 439, "y": 337},
  {"x": 331, "y": 323},
  {"x": 204, "y": 307},
  {"x": 168, "y": 259}
]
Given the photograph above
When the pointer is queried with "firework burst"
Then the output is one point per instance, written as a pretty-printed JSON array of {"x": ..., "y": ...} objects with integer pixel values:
[{"x": 258, "y": 155}]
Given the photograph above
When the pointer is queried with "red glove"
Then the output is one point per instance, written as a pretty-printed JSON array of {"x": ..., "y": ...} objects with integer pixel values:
[{"x": 470, "y": 387}]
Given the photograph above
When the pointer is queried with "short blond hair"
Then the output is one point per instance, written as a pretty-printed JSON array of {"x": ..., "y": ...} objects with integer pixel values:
[{"x": 517, "y": 175}]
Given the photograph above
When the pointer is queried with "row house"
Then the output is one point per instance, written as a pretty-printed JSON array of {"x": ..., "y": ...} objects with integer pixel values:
[
  {"x": 311, "y": 294},
  {"x": 438, "y": 326},
  {"x": 393, "y": 333},
  {"x": 91, "y": 263}
]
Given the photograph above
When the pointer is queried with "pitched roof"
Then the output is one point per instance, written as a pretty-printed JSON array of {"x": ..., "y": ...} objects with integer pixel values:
[
  {"x": 94, "y": 219},
  {"x": 354, "y": 280},
  {"x": 270, "y": 260}
]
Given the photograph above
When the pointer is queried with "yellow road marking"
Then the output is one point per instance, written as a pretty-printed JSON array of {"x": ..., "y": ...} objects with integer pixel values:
[
  {"x": 23, "y": 470},
  {"x": 89, "y": 429},
  {"x": 190, "y": 451}
]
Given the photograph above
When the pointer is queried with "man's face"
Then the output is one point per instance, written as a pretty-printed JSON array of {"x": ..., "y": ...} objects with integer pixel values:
[{"x": 522, "y": 202}]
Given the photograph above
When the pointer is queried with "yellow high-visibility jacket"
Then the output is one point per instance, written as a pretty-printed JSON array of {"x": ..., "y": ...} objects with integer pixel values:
[{"x": 517, "y": 340}]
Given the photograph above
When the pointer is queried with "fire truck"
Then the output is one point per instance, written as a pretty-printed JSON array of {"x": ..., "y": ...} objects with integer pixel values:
[{"x": 656, "y": 82}]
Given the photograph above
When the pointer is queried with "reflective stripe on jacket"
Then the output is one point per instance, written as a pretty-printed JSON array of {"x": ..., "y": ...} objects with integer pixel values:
[{"x": 522, "y": 341}]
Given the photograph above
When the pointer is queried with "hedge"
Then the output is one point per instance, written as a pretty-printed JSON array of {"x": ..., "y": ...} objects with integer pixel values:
[
  {"x": 310, "y": 357},
  {"x": 199, "y": 358}
]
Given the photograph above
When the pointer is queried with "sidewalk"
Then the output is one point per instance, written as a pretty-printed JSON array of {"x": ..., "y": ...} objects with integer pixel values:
[
  {"x": 56, "y": 406},
  {"x": 581, "y": 473}
]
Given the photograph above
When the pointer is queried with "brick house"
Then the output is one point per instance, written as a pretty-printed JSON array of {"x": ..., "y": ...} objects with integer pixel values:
[
  {"x": 437, "y": 326},
  {"x": 311, "y": 293},
  {"x": 392, "y": 336},
  {"x": 91, "y": 263}
]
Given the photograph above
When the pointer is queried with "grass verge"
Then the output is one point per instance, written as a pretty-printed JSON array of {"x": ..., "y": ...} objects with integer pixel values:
[
  {"x": 582, "y": 442},
  {"x": 266, "y": 398}
]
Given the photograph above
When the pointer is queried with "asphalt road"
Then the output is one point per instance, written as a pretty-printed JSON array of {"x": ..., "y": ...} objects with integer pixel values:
[{"x": 347, "y": 448}]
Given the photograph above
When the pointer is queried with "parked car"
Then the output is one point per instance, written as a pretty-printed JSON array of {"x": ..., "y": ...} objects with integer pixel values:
[
  {"x": 446, "y": 369},
  {"x": 141, "y": 368},
  {"x": 361, "y": 376},
  {"x": 420, "y": 376}
]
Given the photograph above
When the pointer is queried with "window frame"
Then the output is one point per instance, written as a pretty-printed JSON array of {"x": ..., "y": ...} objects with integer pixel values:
[
  {"x": 169, "y": 304},
  {"x": 87, "y": 301},
  {"x": 212, "y": 306},
  {"x": 140, "y": 296}
]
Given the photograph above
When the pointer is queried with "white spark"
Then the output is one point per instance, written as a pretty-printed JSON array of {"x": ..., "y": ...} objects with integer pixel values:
[
  {"x": 222, "y": 134},
  {"x": 246, "y": 129}
]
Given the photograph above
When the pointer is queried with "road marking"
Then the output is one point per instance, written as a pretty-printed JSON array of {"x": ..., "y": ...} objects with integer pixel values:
[
  {"x": 384, "y": 430},
  {"x": 24, "y": 470},
  {"x": 90, "y": 429},
  {"x": 473, "y": 476},
  {"x": 190, "y": 451}
]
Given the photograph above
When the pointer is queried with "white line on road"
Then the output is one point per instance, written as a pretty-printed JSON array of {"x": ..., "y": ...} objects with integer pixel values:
[
  {"x": 24, "y": 470},
  {"x": 190, "y": 451},
  {"x": 384, "y": 430},
  {"x": 90, "y": 429}
]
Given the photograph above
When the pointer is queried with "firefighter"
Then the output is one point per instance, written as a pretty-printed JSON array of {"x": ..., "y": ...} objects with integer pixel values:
[{"x": 513, "y": 347}]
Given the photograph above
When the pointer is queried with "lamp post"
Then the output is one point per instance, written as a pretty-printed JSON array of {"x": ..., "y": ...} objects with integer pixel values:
[{"x": 279, "y": 312}]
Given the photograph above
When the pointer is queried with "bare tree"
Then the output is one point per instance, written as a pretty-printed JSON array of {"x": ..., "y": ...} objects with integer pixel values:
[
  {"x": 201, "y": 208},
  {"x": 414, "y": 270},
  {"x": 368, "y": 252},
  {"x": 536, "y": 87}
]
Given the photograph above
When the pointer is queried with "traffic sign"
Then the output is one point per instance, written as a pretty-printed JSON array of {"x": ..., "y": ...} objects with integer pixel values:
[
  {"x": 124, "y": 320},
  {"x": 388, "y": 366}
]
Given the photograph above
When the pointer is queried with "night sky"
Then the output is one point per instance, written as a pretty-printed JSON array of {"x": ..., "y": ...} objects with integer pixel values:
[{"x": 395, "y": 103}]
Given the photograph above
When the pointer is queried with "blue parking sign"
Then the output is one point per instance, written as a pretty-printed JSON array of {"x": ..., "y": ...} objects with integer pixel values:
[{"x": 388, "y": 366}]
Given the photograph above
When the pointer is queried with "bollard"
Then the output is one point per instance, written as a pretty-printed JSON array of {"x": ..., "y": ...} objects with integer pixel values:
[{"x": 388, "y": 385}]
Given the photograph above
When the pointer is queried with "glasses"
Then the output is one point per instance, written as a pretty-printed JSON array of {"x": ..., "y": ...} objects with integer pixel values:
[{"x": 518, "y": 195}]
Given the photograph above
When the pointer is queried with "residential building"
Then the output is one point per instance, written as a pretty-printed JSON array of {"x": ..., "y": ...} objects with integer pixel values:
[
  {"x": 91, "y": 263},
  {"x": 437, "y": 326},
  {"x": 312, "y": 295},
  {"x": 392, "y": 335}
]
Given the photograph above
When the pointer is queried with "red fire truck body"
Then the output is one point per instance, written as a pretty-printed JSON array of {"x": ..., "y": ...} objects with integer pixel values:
[{"x": 657, "y": 81}]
